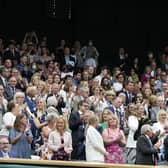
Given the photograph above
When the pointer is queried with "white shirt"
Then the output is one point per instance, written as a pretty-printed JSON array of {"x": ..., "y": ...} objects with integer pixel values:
[
  {"x": 8, "y": 119},
  {"x": 133, "y": 126}
]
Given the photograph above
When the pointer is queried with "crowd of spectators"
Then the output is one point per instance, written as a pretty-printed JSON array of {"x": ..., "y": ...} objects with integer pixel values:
[{"x": 59, "y": 104}]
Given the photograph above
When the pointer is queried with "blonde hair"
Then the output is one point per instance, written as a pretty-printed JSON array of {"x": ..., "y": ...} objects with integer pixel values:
[
  {"x": 91, "y": 121},
  {"x": 65, "y": 122},
  {"x": 159, "y": 113},
  {"x": 112, "y": 116},
  {"x": 44, "y": 104},
  {"x": 153, "y": 100},
  {"x": 105, "y": 110}
]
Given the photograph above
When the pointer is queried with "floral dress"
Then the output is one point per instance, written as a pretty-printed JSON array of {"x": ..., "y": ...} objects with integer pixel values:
[{"x": 115, "y": 151}]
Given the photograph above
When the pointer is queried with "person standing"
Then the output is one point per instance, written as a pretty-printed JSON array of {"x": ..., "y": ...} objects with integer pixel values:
[
  {"x": 21, "y": 137},
  {"x": 145, "y": 150},
  {"x": 95, "y": 150}
]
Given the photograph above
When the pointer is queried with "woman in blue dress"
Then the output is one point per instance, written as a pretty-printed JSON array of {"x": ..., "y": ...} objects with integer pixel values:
[{"x": 21, "y": 137}]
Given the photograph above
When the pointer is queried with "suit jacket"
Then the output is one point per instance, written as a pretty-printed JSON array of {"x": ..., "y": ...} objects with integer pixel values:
[
  {"x": 8, "y": 93},
  {"x": 74, "y": 124},
  {"x": 145, "y": 152},
  {"x": 11, "y": 155},
  {"x": 78, "y": 137},
  {"x": 31, "y": 104},
  {"x": 2, "y": 83}
]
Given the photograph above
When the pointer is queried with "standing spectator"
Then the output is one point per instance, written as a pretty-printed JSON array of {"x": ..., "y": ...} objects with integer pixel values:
[
  {"x": 114, "y": 140},
  {"x": 29, "y": 99},
  {"x": 60, "y": 141},
  {"x": 132, "y": 126},
  {"x": 9, "y": 118},
  {"x": 95, "y": 150},
  {"x": 104, "y": 118},
  {"x": 145, "y": 150},
  {"x": 90, "y": 54},
  {"x": 11, "y": 53},
  {"x": 21, "y": 137},
  {"x": 77, "y": 126}
]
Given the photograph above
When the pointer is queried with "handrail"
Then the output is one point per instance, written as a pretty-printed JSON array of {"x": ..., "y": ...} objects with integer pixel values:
[{"x": 71, "y": 163}]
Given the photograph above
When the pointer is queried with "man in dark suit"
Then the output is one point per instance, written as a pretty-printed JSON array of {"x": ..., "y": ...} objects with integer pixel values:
[
  {"x": 77, "y": 125},
  {"x": 4, "y": 148},
  {"x": 145, "y": 150}
]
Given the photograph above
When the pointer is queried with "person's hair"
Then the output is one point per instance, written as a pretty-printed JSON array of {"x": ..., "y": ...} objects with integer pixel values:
[
  {"x": 92, "y": 119},
  {"x": 11, "y": 105},
  {"x": 67, "y": 86},
  {"x": 145, "y": 128},
  {"x": 18, "y": 94},
  {"x": 81, "y": 103},
  {"x": 105, "y": 110},
  {"x": 17, "y": 122},
  {"x": 44, "y": 103},
  {"x": 110, "y": 92},
  {"x": 65, "y": 123},
  {"x": 127, "y": 112},
  {"x": 159, "y": 113},
  {"x": 51, "y": 116},
  {"x": 153, "y": 100},
  {"x": 94, "y": 88},
  {"x": 113, "y": 117},
  {"x": 30, "y": 89}
]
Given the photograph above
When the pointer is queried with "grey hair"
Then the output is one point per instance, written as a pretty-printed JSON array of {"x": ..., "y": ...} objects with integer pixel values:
[
  {"x": 30, "y": 89},
  {"x": 17, "y": 94},
  {"x": 145, "y": 128},
  {"x": 84, "y": 89}
]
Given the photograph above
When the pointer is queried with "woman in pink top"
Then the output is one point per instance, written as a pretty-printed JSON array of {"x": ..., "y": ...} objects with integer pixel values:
[{"x": 114, "y": 140}]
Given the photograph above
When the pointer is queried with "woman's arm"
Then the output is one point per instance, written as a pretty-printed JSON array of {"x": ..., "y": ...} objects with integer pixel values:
[{"x": 106, "y": 140}]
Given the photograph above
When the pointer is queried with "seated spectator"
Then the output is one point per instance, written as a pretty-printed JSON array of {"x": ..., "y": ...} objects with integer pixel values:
[{"x": 5, "y": 148}]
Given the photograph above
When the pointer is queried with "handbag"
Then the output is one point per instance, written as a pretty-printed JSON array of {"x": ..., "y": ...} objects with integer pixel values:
[{"x": 61, "y": 155}]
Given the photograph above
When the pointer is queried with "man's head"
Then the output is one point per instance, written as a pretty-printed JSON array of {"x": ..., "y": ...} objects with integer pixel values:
[
  {"x": 146, "y": 129},
  {"x": 4, "y": 144}
]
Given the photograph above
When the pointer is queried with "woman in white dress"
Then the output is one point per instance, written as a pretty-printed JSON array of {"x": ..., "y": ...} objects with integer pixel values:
[{"x": 95, "y": 150}]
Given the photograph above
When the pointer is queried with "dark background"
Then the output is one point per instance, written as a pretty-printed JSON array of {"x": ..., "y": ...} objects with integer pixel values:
[{"x": 136, "y": 26}]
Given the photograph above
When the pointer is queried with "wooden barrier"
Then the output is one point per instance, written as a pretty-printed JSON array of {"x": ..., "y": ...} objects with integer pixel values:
[{"x": 25, "y": 163}]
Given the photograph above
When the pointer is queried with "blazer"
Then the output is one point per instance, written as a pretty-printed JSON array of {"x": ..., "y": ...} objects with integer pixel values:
[
  {"x": 144, "y": 151},
  {"x": 54, "y": 141},
  {"x": 11, "y": 155},
  {"x": 74, "y": 124},
  {"x": 94, "y": 145}
]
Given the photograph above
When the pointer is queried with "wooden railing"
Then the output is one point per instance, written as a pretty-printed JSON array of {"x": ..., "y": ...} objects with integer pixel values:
[{"x": 20, "y": 163}]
